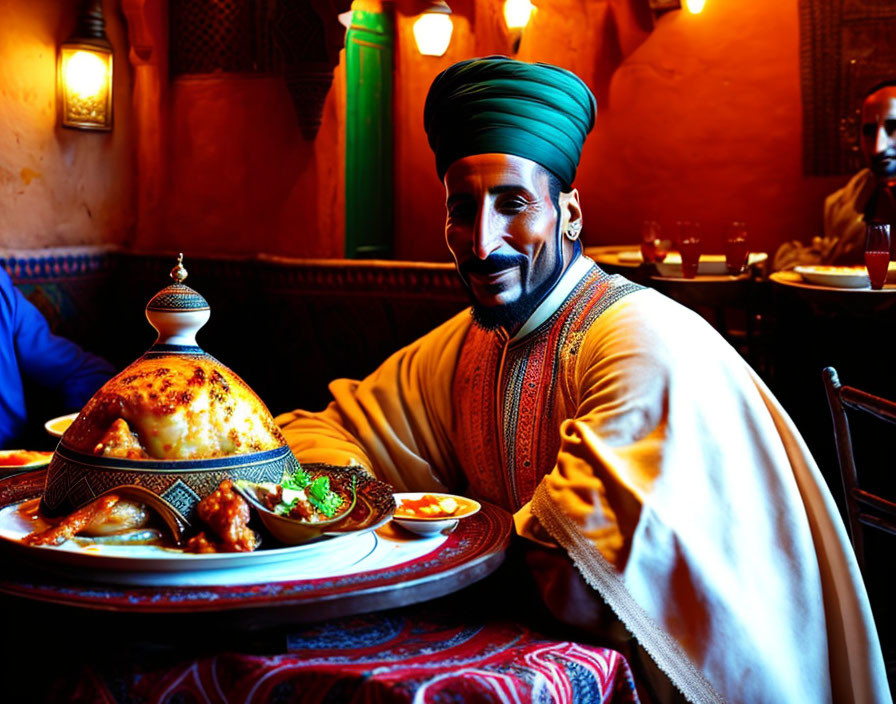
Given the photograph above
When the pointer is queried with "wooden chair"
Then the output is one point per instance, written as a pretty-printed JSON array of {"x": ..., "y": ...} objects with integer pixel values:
[{"x": 863, "y": 507}]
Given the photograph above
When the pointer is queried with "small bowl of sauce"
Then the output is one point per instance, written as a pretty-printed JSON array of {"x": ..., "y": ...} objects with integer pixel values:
[{"x": 430, "y": 513}]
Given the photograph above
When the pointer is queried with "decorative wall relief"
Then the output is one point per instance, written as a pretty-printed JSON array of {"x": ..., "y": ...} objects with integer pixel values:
[
  {"x": 845, "y": 48},
  {"x": 308, "y": 37},
  {"x": 208, "y": 36},
  {"x": 298, "y": 39}
]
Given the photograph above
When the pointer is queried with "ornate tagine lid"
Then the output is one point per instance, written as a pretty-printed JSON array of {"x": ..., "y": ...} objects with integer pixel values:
[
  {"x": 175, "y": 422},
  {"x": 177, "y": 312}
]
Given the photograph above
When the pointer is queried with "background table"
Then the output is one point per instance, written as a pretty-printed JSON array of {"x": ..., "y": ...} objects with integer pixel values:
[
  {"x": 818, "y": 326},
  {"x": 833, "y": 301}
]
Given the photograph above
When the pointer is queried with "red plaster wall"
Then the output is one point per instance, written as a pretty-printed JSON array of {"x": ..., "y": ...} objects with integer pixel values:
[
  {"x": 223, "y": 167},
  {"x": 704, "y": 122},
  {"x": 58, "y": 186},
  {"x": 699, "y": 118},
  {"x": 243, "y": 180}
]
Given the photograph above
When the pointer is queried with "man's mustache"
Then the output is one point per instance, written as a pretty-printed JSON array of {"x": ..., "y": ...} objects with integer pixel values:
[
  {"x": 877, "y": 160},
  {"x": 491, "y": 264}
]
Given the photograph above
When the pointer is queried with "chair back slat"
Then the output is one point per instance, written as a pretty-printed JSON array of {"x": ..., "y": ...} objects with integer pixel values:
[
  {"x": 875, "y": 501},
  {"x": 863, "y": 401},
  {"x": 873, "y": 521},
  {"x": 882, "y": 514}
]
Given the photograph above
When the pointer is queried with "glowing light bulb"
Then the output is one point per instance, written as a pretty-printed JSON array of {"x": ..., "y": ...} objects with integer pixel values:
[
  {"x": 432, "y": 32},
  {"x": 85, "y": 74},
  {"x": 695, "y": 6},
  {"x": 517, "y": 13}
]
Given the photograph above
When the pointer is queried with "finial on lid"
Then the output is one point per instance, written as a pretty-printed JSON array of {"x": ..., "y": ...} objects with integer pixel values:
[
  {"x": 177, "y": 311},
  {"x": 179, "y": 273}
]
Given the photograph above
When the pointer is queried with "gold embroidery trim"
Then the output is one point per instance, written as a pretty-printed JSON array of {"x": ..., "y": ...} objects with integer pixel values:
[{"x": 603, "y": 578}]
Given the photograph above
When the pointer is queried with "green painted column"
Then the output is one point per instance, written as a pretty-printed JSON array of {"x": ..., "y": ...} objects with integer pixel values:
[{"x": 369, "y": 201}]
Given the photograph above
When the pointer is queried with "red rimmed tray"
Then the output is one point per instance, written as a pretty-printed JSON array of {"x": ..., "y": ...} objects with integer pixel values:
[{"x": 474, "y": 550}]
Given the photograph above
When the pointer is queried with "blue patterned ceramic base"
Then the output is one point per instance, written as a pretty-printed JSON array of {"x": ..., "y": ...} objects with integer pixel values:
[
  {"x": 74, "y": 479},
  {"x": 176, "y": 298}
]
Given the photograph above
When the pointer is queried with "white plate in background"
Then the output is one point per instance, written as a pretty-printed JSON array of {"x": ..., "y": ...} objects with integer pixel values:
[
  {"x": 835, "y": 276},
  {"x": 710, "y": 264},
  {"x": 57, "y": 426}
]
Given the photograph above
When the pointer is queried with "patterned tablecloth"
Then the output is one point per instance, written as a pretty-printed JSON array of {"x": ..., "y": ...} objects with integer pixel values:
[
  {"x": 401, "y": 656},
  {"x": 486, "y": 638}
]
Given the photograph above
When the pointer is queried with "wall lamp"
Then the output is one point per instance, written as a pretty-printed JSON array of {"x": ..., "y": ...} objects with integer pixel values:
[
  {"x": 84, "y": 80},
  {"x": 432, "y": 30},
  {"x": 516, "y": 17}
]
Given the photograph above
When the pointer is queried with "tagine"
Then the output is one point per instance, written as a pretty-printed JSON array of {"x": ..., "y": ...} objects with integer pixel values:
[{"x": 163, "y": 443}]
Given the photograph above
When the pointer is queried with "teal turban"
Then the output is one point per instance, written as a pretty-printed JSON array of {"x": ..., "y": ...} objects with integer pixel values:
[{"x": 500, "y": 105}]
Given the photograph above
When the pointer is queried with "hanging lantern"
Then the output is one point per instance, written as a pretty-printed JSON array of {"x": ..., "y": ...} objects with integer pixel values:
[
  {"x": 516, "y": 17},
  {"x": 517, "y": 14},
  {"x": 84, "y": 79},
  {"x": 432, "y": 30}
]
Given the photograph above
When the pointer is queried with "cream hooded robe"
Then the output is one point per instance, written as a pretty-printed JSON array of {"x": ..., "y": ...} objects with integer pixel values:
[{"x": 622, "y": 424}]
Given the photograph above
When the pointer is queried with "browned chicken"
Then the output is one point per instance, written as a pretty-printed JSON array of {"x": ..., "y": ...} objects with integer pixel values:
[
  {"x": 119, "y": 441},
  {"x": 226, "y": 514},
  {"x": 174, "y": 407}
]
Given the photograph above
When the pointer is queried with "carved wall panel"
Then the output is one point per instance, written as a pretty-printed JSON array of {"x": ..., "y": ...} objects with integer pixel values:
[
  {"x": 845, "y": 48},
  {"x": 298, "y": 39}
]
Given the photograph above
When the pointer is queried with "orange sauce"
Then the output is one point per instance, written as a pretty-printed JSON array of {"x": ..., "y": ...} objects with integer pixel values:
[
  {"x": 19, "y": 458},
  {"x": 60, "y": 425},
  {"x": 429, "y": 506},
  {"x": 29, "y": 511}
]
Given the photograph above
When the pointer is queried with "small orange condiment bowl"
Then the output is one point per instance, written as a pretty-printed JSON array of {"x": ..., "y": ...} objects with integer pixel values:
[{"x": 411, "y": 513}]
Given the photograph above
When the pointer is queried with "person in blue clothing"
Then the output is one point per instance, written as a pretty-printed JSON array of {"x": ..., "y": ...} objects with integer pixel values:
[{"x": 30, "y": 351}]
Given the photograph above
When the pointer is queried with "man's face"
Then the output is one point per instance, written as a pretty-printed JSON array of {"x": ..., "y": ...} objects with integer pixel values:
[
  {"x": 502, "y": 229},
  {"x": 879, "y": 133}
]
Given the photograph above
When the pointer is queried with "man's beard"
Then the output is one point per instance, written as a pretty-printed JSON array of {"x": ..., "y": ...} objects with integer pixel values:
[
  {"x": 515, "y": 313},
  {"x": 883, "y": 169}
]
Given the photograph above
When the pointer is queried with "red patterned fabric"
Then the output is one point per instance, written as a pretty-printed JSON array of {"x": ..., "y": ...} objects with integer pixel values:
[
  {"x": 475, "y": 407},
  {"x": 383, "y": 659},
  {"x": 508, "y": 409}
]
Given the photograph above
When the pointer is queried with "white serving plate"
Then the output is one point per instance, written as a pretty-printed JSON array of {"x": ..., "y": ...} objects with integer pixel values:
[
  {"x": 155, "y": 565},
  {"x": 710, "y": 264},
  {"x": 835, "y": 276}
]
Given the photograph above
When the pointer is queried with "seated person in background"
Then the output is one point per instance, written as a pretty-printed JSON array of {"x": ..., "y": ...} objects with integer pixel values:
[
  {"x": 661, "y": 486},
  {"x": 869, "y": 196},
  {"x": 28, "y": 350}
]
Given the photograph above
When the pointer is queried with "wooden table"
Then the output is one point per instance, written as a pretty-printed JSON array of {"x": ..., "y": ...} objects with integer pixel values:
[
  {"x": 331, "y": 638},
  {"x": 830, "y": 300},
  {"x": 405, "y": 569}
]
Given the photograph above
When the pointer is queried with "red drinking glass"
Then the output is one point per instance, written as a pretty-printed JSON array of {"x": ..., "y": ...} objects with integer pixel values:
[
  {"x": 689, "y": 245},
  {"x": 737, "y": 249},
  {"x": 653, "y": 247},
  {"x": 877, "y": 252}
]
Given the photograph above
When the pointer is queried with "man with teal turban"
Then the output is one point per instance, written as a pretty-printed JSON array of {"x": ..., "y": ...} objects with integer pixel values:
[{"x": 650, "y": 467}]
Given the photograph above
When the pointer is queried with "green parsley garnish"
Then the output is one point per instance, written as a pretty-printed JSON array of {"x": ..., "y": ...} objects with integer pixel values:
[
  {"x": 296, "y": 481},
  {"x": 322, "y": 497}
]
